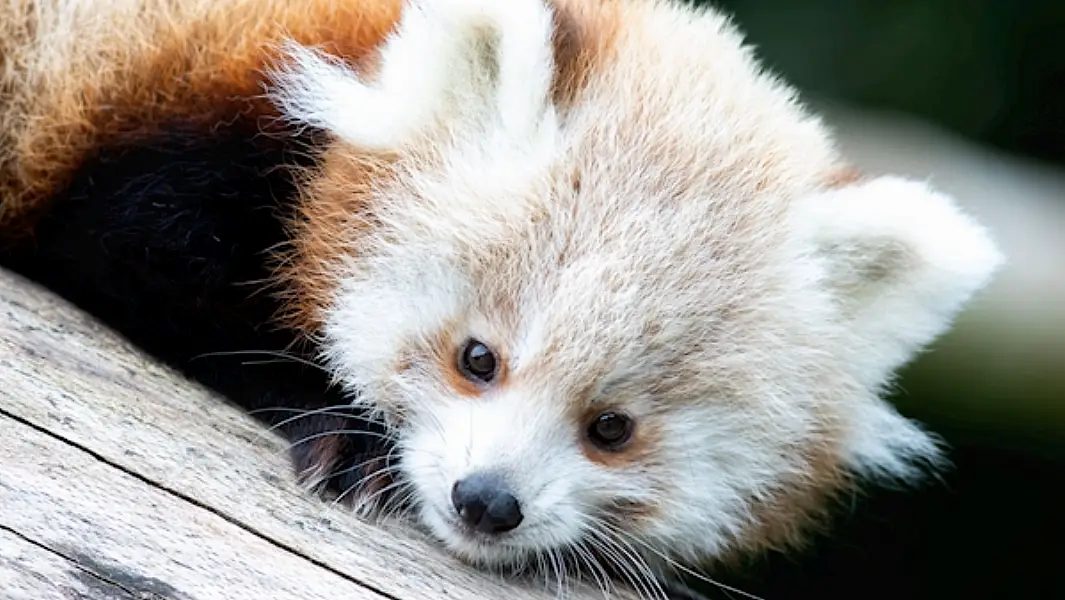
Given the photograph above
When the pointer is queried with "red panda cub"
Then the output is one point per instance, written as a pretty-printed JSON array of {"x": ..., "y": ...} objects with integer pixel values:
[{"x": 602, "y": 285}]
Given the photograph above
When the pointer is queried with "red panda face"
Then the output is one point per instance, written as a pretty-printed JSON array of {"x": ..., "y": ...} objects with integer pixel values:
[{"x": 611, "y": 296}]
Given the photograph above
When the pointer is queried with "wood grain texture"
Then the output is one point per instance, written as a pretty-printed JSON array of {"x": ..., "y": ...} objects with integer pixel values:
[
  {"x": 30, "y": 572},
  {"x": 103, "y": 450},
  {"x": 121, "y": 529}
]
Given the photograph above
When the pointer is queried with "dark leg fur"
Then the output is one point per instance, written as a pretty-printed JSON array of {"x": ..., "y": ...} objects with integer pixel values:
[{"x": 164, "y": 240}]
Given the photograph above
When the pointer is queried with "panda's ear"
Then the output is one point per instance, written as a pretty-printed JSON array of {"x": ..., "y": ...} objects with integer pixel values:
[
  {"x": 900, "y": 259},
  {"x": 450, "y": 66}
]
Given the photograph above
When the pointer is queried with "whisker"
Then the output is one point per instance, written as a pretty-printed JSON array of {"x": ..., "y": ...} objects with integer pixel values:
[
  {"x": 555, "y": 569},
  {"x": 361, "y": 482},
  {"x": 541, "y": 568},
  {"x": 676, "y": 565},
  {"x": 287, "y": 449},
  {"x": 635, "y": 562},
  {"x": 385, "y": 469},
  {"x": 352, "y": 432},
  {"x": 274, "y": 353},
  {"x": 597, "y": 571},
  {"x": 401, "y": 499},
  {"x": 392, "y": 486},
  {"x": 608, "y": 549},
  {"x": 329, "y": 411}
]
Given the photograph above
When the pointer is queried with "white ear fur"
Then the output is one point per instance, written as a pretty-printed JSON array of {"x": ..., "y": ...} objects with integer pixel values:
[
  {"x": 436, "y": 65},
  {"x": 883, "y": 445},
  {"x": 901, "y": 259}
]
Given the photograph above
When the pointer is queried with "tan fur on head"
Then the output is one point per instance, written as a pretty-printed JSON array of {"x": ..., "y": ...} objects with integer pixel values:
[{"x": 638, "y": 220}]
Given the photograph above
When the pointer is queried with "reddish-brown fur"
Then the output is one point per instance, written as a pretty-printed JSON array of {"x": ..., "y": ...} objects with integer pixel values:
[
  {"x": 205, "y": 69},
  {"x": 844, "y": 177},
  {"x": 335, "y": 206}
]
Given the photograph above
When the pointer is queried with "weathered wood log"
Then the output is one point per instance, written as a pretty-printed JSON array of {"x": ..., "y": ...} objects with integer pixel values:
[{"x": 119, "y": 476}]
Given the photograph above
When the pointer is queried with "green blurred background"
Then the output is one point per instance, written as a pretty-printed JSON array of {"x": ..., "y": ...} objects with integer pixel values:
[
  {"x": 976, "y": 88},
  {"x": 991, "y": 70}
]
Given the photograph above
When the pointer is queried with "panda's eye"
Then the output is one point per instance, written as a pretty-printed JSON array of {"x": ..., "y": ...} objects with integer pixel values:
[
  {"x": 477, "y": 362},
  {"x": 610, "y": 430}
]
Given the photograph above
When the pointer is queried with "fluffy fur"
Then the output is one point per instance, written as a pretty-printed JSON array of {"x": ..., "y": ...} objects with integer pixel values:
[{"x": 611, "y": 194}]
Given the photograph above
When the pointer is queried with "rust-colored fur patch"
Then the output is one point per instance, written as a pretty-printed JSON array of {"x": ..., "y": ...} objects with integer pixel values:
[
  {"x": 843, "y": 177},
  {"x": 198, "y": 63},
  {"x": 334, "y": 208},
  {"x": 631, "y": 514},
  {"x": 585, "y": 33}
]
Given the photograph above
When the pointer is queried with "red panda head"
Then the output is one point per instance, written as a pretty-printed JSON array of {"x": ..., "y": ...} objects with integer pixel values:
[{"x": 601, "y": 275}]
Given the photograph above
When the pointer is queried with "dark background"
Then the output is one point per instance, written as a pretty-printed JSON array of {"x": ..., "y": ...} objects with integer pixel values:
[
  {"x": 993, "y": 73},
  {"x": 990, "y": 70}
]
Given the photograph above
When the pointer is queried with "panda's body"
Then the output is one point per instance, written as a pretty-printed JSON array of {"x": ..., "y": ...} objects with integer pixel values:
[{"x": 606, "y": 287}]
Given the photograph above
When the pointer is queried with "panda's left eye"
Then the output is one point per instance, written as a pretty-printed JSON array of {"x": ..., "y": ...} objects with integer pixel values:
[
  {"x": 477, "y": 362},
  {"x": 610, "y": 430}
]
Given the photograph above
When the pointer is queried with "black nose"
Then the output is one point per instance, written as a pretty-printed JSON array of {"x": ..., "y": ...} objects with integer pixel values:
[{"x": 485, "y": 504}]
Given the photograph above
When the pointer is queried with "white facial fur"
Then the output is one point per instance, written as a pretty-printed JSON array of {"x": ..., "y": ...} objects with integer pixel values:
[{"x": 663, "y": 245}]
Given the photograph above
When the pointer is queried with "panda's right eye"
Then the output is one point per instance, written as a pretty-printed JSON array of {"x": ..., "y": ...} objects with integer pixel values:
[{"x": 610, "y": 431}]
